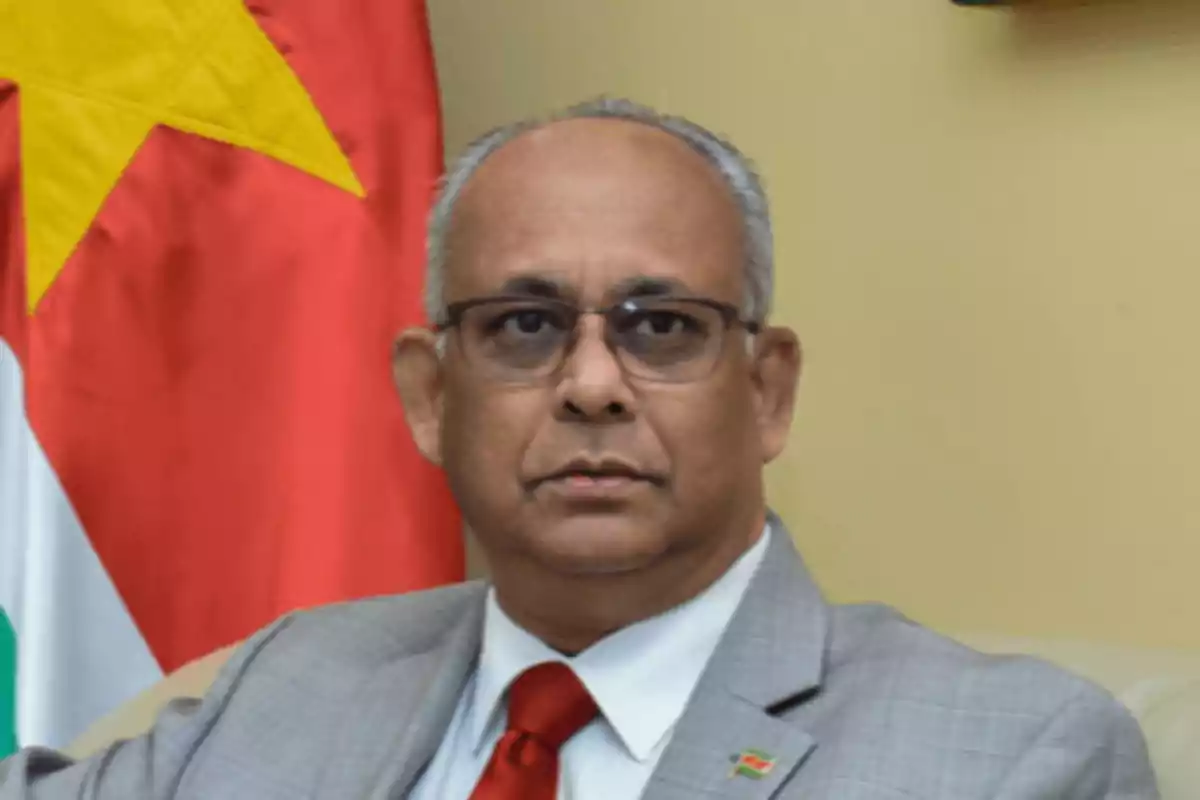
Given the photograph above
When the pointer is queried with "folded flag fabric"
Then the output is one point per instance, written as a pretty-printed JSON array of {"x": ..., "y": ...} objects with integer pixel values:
[{"x": 211, "y": 228}]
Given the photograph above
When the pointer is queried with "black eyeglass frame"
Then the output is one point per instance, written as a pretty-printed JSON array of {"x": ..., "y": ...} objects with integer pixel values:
[{"x": 730, "y": 316}]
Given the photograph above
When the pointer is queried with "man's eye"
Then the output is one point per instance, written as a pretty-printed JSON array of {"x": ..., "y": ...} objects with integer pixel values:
[
  {"x": 663, "y": 323},
  {"x": 524, "y": 322}
]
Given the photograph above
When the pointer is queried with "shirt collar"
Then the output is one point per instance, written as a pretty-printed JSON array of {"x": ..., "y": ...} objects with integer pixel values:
[{"x": 640, "y": 676}]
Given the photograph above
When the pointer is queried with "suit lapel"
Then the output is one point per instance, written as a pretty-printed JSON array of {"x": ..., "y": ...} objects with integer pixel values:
[
  {"x": 399, "y": 714},
  {"x": 771, "y": 655},
  {"x": 701, "y": 759}
]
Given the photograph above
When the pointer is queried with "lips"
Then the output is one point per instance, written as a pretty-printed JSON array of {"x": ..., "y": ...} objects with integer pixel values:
[{"x": 598, "y": 474}]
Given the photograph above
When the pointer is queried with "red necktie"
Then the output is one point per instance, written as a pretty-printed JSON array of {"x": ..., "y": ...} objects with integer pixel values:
[{"x": 547, "y": 705}]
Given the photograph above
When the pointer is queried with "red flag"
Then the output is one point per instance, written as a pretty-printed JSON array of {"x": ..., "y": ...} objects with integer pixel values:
[{"x": 208, "y": 371}]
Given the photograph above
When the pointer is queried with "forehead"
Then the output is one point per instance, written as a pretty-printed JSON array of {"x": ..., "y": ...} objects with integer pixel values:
[{"x": 593, "y": 205}]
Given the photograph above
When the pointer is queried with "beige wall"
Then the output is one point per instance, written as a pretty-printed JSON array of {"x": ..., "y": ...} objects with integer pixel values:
[{"x": 989, "y": 240}]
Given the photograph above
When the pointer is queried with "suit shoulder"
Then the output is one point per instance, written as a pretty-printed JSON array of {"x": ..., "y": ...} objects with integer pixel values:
[
  {"x": 870, "y": 642},
  {"x": 376, "y": 629},
  {"x": 1003, "y": 725}
]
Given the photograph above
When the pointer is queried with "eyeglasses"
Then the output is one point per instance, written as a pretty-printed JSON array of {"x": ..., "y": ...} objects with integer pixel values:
[{"x": 525, "y": 339}]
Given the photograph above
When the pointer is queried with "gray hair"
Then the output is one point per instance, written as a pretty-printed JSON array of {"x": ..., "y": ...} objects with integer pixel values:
[{"x": 735, "y": 168}]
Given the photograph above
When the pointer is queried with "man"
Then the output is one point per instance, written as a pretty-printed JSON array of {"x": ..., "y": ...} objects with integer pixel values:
[{"x": 603, "y": 390}]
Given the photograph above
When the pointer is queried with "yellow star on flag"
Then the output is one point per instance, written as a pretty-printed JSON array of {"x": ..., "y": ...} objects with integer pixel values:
[{"x": 95, "y": 76}]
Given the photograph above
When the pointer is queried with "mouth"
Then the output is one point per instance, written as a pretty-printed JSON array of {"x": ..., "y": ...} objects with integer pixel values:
[{"x": 597, "y": 480}]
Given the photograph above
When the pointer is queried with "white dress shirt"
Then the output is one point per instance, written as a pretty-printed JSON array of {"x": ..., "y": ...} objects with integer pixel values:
[{"x": 641, "y": 678}]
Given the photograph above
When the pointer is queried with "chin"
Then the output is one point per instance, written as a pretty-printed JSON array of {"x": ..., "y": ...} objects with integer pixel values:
[{"x": 598, "y": 544}]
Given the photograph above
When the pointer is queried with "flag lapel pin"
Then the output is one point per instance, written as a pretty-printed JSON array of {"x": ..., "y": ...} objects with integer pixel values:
[{"x": 752, "y": 764}]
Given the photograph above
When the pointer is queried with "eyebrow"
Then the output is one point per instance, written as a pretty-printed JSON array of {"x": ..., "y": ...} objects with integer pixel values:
[
  {"x": 635, "y": 286},
  {"x": 644, "y": 286},
  {"x": 534, "y": 286}
]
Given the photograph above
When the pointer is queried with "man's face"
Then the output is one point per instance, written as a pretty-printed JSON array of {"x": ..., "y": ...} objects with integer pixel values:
[{"x": 589, "y": 468}]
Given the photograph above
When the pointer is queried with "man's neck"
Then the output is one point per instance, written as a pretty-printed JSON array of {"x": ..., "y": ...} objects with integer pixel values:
[{"x": 570, "y": 613}]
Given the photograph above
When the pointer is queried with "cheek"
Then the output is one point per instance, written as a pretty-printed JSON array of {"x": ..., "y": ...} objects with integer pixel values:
[
  {"x": 485, "y": 433},
  {"x": 710, "y": 436}
]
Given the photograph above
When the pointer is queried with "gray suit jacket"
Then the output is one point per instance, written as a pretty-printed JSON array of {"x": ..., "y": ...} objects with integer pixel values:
[{"x": 852, "y": 702}]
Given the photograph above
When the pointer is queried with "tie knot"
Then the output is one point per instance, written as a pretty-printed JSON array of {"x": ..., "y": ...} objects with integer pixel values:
[{"x": 549, "y": 703}]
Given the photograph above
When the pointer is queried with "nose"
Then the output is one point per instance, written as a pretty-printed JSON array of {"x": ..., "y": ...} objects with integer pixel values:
[{"x": 593, "y": 388}]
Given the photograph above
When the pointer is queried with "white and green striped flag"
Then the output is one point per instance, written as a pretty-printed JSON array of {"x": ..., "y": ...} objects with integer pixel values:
[
  {"x": 8, "y": 686},
  {"x": 69, "y": 649}
]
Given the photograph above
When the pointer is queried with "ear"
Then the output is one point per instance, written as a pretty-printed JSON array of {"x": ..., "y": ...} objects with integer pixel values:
[
  {"x": 777, "y": 366},
  {"x": 417, "y": 372}
]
